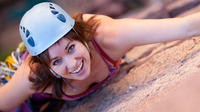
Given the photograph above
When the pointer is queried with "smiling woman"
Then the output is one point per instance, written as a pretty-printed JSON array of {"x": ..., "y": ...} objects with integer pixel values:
[
  {"x": 63, "y": 62},
  {"x": 70, "y": 57},
  {"x": 69, "y": 66}
]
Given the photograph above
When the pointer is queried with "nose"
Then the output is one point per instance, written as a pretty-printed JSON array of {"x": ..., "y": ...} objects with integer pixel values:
[{"x": 70, "y": 63}]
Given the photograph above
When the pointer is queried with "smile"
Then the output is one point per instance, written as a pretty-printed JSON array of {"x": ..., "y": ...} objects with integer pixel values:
[{"x": 78, "y": 69}]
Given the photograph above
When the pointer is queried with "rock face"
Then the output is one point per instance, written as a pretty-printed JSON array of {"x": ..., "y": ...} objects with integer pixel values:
[{"x": 152, "y": 72}]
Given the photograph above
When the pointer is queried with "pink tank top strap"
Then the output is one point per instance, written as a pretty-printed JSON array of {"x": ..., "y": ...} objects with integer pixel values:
[{"x": 104, "y": 56}]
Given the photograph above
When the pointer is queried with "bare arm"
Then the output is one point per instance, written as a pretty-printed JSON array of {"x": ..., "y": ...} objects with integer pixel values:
[
  {"x": 16, "y": 90},
  {"x": 139, "y": 32},
  {"x": 123, "y": 34}
]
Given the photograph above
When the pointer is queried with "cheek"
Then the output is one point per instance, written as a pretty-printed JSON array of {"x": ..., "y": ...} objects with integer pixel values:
[
  {"x": 60, "y": 70},
  {"x": 81, "y": 50}
]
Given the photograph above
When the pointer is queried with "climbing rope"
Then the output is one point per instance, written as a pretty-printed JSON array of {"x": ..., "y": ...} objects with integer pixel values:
[{"x": 11, "y": 63}]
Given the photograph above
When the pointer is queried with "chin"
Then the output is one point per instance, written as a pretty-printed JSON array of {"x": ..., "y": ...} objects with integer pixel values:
[
  {"x": 83, "y": 74},
  {"x": 83, "y": 77}
]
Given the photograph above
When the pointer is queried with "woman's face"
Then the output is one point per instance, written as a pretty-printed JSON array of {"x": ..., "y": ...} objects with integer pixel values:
[{"x": 70, "y": 59}]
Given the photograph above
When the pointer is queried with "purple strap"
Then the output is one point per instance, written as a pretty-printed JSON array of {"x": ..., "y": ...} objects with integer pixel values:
[
  {"x": 23, "y": 108},
  {"x": 110, "y": 67}
]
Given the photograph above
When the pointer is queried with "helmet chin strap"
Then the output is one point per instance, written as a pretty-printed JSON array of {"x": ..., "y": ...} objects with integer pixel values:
[{"x": 59, "y": 76}]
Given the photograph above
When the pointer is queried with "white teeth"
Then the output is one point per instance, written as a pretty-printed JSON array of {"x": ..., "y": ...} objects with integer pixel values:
[{"x": 79, "y": 68}]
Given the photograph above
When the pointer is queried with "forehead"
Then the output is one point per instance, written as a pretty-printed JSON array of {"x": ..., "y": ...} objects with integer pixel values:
[
  {"x": 58, "y": 46},
  {"x": 60, "y": 42}
]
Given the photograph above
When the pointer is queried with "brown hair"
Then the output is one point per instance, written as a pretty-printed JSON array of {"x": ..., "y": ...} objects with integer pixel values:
[{"x": 42, "y": 77}]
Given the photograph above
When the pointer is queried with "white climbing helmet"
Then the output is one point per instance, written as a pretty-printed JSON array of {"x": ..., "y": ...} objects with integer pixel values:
[{"x": 43, "y": 25}]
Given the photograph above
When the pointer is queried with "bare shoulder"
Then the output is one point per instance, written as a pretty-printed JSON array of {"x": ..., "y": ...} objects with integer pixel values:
[
  {"x": 105, "y": 23},
  {"x": 105, "y": 35}
]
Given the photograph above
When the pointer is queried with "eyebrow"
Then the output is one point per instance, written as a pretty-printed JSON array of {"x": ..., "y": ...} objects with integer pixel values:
[
  {"x": 67, "y": 45},
  {"x": 65, "y": 49}
]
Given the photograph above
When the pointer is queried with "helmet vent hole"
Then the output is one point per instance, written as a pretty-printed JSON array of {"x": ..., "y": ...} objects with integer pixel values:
[
  {"x": 52, "y": 7},
  {"x": 23, "y": 29},
  {"x": 61, "y": 17},
  {"x": 27, "y": 33},
  {"x": 54, "y": 12},
  {"x": 31, "y": 41}
]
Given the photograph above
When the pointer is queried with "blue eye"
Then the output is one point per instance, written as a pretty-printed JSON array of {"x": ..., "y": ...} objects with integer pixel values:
[
  {"x": 56, "y": 62},
  {"x": 71, "y": 48}
]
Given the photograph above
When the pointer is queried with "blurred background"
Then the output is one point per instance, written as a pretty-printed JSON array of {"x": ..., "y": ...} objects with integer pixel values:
[{"x": 11, "y": 12}]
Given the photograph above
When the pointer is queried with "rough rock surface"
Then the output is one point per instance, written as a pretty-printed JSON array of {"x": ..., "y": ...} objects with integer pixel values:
[{"x": 153, "y": 70}]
